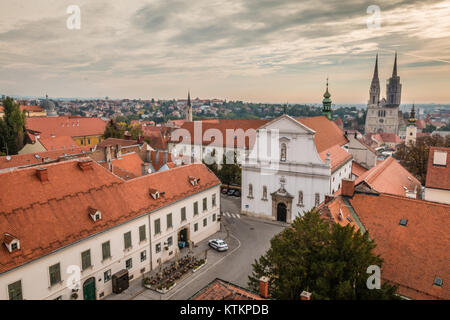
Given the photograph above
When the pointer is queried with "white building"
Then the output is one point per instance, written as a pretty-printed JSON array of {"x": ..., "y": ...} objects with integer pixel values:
[
  {"x": 61, "y": 219},
  {"x": 307, "y": 161}
]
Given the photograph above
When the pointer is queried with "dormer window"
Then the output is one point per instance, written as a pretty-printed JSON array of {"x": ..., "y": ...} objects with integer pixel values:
[
  {"x": 403, "y": 222},
  {"x": 95, "y": 214},
  {"x": 11, "y": 242},
  {"x": 438, "y": 282},
  {"x": 193, "y": 180},
  {"x": 154, "y": 193}
]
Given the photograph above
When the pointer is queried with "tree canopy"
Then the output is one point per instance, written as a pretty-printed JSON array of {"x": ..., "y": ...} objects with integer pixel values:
[
  {"x": 330, "y": 261},
  {"x": 12, "y": 128},
  {"x": 114, "y": 130},
  {"x": 414, "y": 157}
]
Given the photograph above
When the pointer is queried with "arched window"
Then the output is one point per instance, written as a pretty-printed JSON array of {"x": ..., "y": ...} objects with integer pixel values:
[
  {"x": 300, "y": 198},
  {"x": 283, "y": 152},
  {"x": 264, "y": 197},
  {"x": 250, "y": 190}
]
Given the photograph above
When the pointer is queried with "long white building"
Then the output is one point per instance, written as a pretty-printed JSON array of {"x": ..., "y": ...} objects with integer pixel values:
[{"x": 66, "y": 228}]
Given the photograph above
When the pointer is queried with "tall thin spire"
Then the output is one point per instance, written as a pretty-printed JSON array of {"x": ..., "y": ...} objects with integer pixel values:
[
  {"x": 326, "y": 103},
  {"x": 394, "y": 72},
  {"x": 375, "y": 71},
  {"x": 189, "y": 98}
]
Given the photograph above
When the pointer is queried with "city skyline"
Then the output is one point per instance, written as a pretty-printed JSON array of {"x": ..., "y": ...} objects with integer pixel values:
[{"x": 259, "y": 51}]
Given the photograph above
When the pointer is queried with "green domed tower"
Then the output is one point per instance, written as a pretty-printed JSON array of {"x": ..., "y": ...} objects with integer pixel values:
[{"x": 326, "y": 102}]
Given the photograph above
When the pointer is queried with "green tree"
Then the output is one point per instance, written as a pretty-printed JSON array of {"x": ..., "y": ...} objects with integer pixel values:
[
  {"x": 328, "y": 261},
  {"x": 230, "y": 172},
  {"x": 414, "y": 157},
  {"x": 12, "y": 127},
  {"x": 429, "y": 128},
  {"x": 135, "y": 132},
  {"x": 113, "y": 130}
]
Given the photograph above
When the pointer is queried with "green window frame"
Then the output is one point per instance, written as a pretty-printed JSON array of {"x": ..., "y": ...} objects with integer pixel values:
[
  {"x": 157, "y": 226},
  {"x": 127, "y": 239},
  {"x": 55, "y": 274},
  {"x": 129, "y": 263},
  {"x": 169, "y": 221},
  {"x": 15, "y": 290},
  {"x": 195, "y": 208},
  {"x": 86, "y": 259},
  {"x": 183, "y": 214},
  {"x": 142, "y": 233},
  {"x": 205, "y": 204},
  {"x": 106, "y": 250},
  {"x": 107, "y": 275},
  {"x": 143, "y": 255}
]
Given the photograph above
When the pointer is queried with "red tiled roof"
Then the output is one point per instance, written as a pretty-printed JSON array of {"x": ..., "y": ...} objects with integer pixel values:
[
  {"x": 31, "y": 108},
  {"x": 328, "y": 134},
  {"x": 390, "y": 137},
  {"x": 34, "y": 158},
  {"x": 390, "y": 177},
  {"x": 420, "y": 124},
  {"x": 338, "y": 156},
  {"x": 129, "y": 166},
  {"x": 114, "y": 141},
  {"x": 42, "y": 215},
  {"x": 223, "y": 290},
  {"x": 337, "y": 211},
  {"x": 58, "y": 143},
  {"x": 358, "y": 169},
  {"x": 66, "y": 126},
  {"x": 438, "y": 176},
  {"x": 415, "y": 254}
]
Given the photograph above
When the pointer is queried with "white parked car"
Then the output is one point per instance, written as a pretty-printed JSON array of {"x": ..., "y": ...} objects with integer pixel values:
[{"x": 218, "y": 244}]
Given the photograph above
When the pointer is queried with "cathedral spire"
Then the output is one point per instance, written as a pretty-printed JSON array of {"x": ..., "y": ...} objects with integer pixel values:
[
  {"x": 394, "y": 72},
  {"x": 326, "y": 102},
  {"x": 412, "y": 116},
  {"x": 189, "y": 108},
  {"x": 375, "y": 91},
  {"x": 375, "y": 71}
]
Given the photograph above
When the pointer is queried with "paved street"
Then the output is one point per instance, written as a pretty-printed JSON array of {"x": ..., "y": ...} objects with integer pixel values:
[{"x": 248, "y": 239}]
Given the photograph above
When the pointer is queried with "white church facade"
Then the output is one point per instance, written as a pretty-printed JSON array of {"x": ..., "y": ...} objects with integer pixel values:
[{"x": 294, "y": 164}]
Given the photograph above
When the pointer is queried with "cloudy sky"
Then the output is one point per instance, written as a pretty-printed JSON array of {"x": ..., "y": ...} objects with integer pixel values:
[{"x": 251, "y": 50}]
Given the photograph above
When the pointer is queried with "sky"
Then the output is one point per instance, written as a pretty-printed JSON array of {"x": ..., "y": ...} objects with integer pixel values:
[{"x": 250, "y": 50}]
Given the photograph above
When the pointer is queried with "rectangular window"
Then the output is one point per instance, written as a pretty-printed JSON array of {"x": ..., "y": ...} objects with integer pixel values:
[
  {"x": 129, "y": 264},
  {"x": 205, "y": 204},
  {"x": 107, "y": 275},
  {"x": 205, "y": 222},
  {"x": 317, "y": 200},
  {"x": 214, "y": 217},
  {"x": 183, "y": 214},
  {"x": 15, "y": 291},
  {"x": 169, "y": 241},
  {"x": 169, "y": 221},
  {"x": 143, "y": 255},
  {"x": 106, "y": 250},
  {"x": 85, "y": 259},
  {"x": 195, "y": 227},
  {"x": 213, "y": 200},
  {"x": 127, "y": 239},
  {"x": 158, "y": 247},
  {"x": 157, "y": 226},
  {"x": 55, "y": 274},
  {"x": 195, "y": 208},
  {"x": 142, "y": 233}
]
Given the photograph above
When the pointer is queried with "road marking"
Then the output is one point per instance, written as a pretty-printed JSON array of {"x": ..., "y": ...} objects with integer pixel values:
[
  {"x": 234, "y": 216},
  {"x": 238, "y": 215},
  {"x": 212, "y": 266}
]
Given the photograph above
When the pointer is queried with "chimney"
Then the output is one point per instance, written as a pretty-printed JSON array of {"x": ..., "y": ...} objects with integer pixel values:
[
  {"x": 108, "y": 154},
  {"x": 348, "y": 187},
  {"x": 328, "y": 198},
  {"x": 305, "y": 295},
  {"x": 145, "y": 167},
  {"x": 42, "y": 174},
  {"x": 264, "y": 287},
  {"x": 85, "y": 165},
  {"x": 118, "y": 151}
]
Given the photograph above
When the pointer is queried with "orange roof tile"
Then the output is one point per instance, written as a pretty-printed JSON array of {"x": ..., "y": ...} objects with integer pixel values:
[
  {"x": 35, "y": 158},
  {"x": 390, "y": 177},
  {"x": 129, "y": 166},
  {"x": 112, "y": 142},
  {"x": 415, "y": 254},
  {"x": 338, "y": 156},
  {"x": 58, "y": 143},
  {"x": 219, "y": 289},
  {"x": 41, "y": 214},
  {"x": 358, "y": 169},
  {"x": 438, "y": 176},
  {"x": 328, "y": 134},
  {"x": 66, "y": 126}
]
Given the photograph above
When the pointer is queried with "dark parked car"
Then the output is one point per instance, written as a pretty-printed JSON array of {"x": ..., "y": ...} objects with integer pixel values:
[
  {"x": 237, "y": 193},
  {"x": 224, "y": 190},
  {"x": 230, "y": 192}
]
